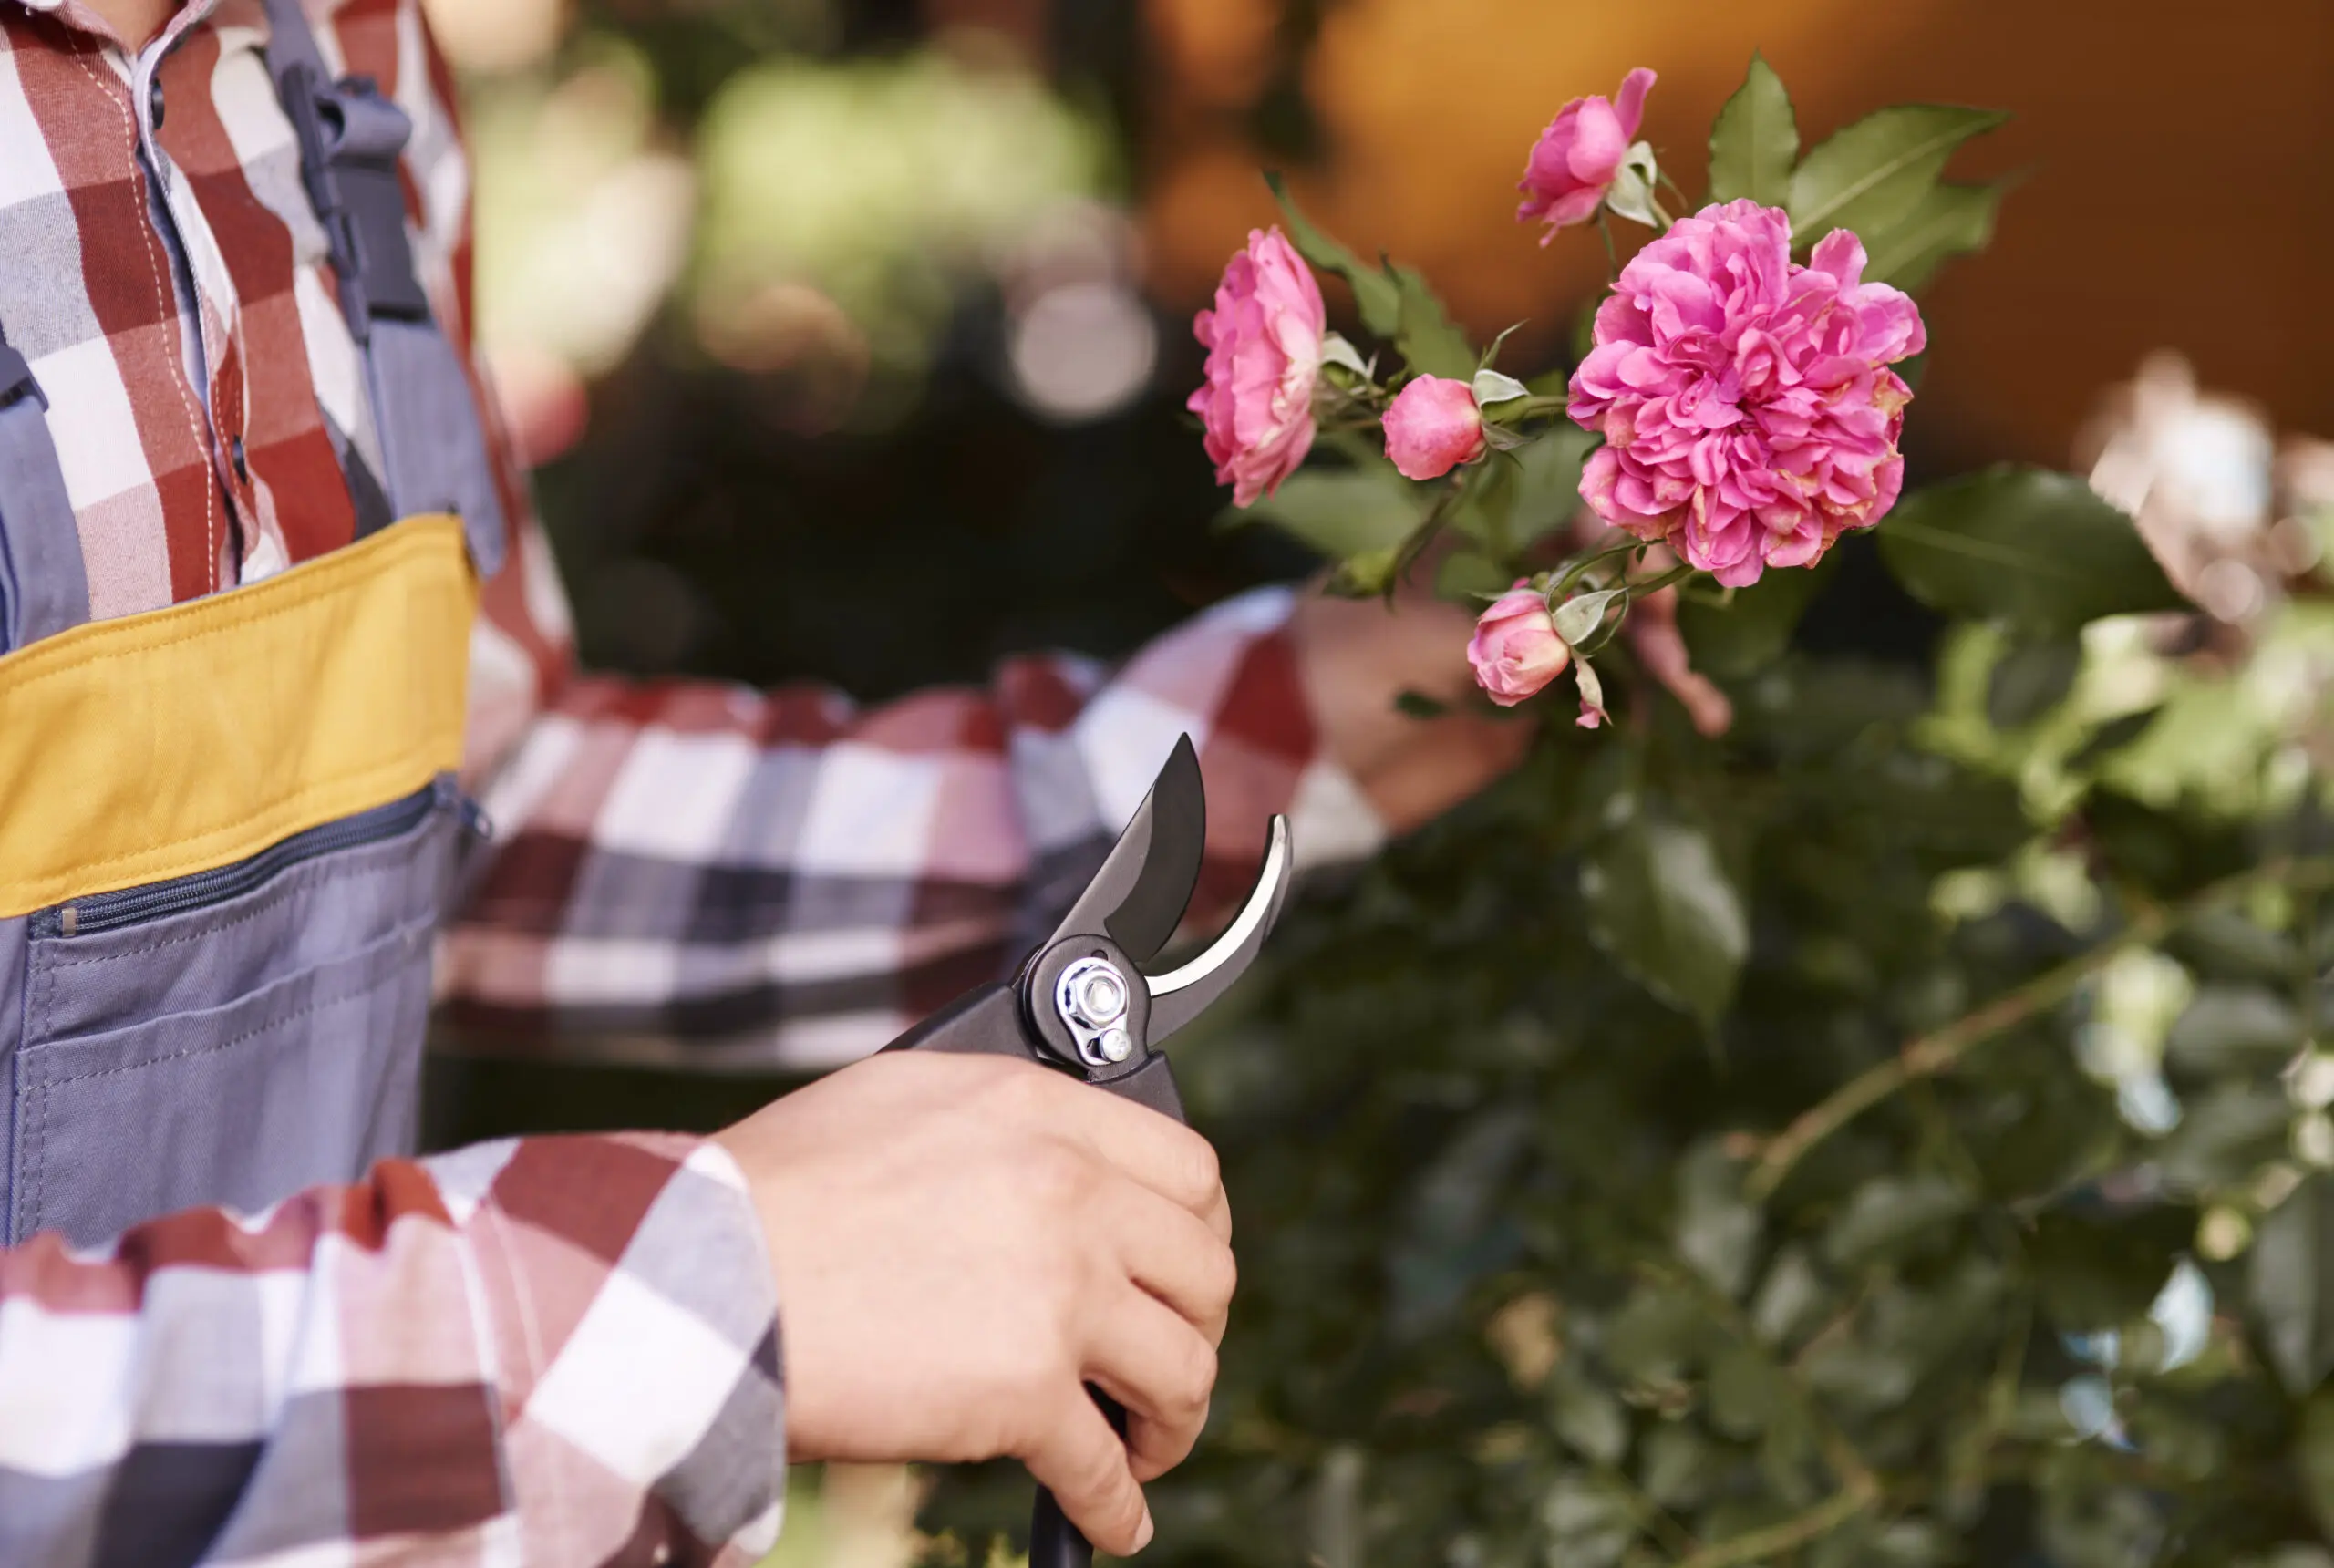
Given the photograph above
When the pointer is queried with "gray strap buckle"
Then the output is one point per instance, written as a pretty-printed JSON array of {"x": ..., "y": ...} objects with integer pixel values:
[
  {"x": 350, "y": 137},
  {"x": 16, "y": 380}
]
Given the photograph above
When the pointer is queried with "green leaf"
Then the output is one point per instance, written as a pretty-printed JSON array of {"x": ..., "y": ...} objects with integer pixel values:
[
  {"x": 1580, "y": 616},
  {"x": 1492, "y": 386},
  {"x": 1947, "y": 220},
  {"x": 1661, "y": 906},
  {"x": 1754, "y": 140},
  {"x": 1631, "y": 193},
  {"x": 1465, "y": 575},
  {"x": 1547, "y": 483},
  {"x": 2036, "y": 550},
  {"x": 1424, "y": 335},
  {"x": 1587, "y": 1419},
  {"x": 1341, "y": 512},
  {"x": 2293, "y": 1285},
  {"x": 1888, "y": 1212},
  {"x": 1374, "y": 293},
  {"x": 1752, "y": 628},
  {"x": 1717, "y": 1226},
  {"x": 2030, "y": 679},
  {"x": 2234, "y": 1029},
  {"x": 1872, "y": 174},
  {"x": 1745, "y": 1393}
]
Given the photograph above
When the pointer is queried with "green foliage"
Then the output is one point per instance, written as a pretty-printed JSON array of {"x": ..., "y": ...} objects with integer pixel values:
[
  {"x": 1377, "y": 295},
  {"x": 1947, "y": 220},
  {"x": 1754, "y": 144},
  {"x": 1661, "y": 907},
  {"x": 1871, "y": 175},
  {"x": 2037, "y": 551}
]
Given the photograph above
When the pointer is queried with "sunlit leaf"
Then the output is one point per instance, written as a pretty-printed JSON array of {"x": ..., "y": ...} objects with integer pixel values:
[
  {"x": 1755, "y": 140},
  {"x": 1949, "y": 221},
  {"x": 1872, "y": 174}
]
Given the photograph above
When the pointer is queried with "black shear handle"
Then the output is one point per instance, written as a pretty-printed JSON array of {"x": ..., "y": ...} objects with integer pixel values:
[{"x": 1054, "y": 1541}]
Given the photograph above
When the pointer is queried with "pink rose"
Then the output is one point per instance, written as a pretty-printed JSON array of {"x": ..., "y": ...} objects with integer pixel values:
[
  {"x": 1515, "y": 650},
  {"x": 1572, "y": 163},
  {"x": 1432, "y": 427},
  {"x": 1749, "y": 414},
  {"x": 1264, "y": 359}
]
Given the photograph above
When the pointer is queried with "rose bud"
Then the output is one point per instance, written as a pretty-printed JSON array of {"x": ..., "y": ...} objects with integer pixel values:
[
  {"x": 1432, "y": 427},
  {"x": 1515, "y": 650}
]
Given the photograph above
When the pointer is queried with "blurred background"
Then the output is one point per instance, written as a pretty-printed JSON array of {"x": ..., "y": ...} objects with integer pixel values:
[{"x": 851, "y": 337}]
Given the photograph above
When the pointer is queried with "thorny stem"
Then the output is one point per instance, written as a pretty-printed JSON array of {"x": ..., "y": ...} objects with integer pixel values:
[
  {"x": 1943, "y": 1049},
  {"x": 1612, "y": 255}
]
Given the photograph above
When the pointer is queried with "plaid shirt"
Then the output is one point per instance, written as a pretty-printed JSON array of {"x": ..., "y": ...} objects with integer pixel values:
[{"x": 560, "y": 1350}]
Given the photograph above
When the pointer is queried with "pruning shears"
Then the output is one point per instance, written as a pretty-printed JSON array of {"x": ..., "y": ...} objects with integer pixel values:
[{"x": 1082, "y": 1003}]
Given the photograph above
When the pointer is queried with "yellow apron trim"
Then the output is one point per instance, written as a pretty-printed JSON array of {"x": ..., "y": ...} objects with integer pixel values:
[{"x": 157, "y": 746}]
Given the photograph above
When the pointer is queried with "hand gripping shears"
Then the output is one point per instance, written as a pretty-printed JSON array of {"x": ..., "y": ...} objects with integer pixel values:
[{"x": 1083, "y": 1004}]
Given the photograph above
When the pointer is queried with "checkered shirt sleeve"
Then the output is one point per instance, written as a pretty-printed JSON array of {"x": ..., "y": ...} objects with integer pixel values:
[
  {"x": 552, "y": 1350},
  {"x": 711, "y": 877}
]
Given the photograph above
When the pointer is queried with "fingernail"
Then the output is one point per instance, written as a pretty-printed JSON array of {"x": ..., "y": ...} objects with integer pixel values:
[{"x": 1142, "y": 1532}]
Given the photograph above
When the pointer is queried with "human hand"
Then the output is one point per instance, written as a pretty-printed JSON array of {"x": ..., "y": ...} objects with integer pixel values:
[
  {"x": 1355, "y": 656},
  {"x": 963, "y": 1242}
]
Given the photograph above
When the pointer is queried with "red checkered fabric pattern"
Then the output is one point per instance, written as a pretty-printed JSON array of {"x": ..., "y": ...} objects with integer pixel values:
[{"x": 558, "y": 1350}]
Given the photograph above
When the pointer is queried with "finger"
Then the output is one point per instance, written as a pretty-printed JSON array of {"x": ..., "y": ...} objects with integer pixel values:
[
  {"x": 1157, "y": 1150},
  {"x": 1173, "y": 1254},
  {"x": 1159, "y": 1367},
  {"x": 1082, "y": 1463}
]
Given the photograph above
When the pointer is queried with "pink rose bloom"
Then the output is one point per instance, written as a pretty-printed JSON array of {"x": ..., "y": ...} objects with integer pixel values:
[
  {"x": 1264, "y": 359},
  {"x": 1432, "y": 427},
  {"x": 1572, "y": 163},
  {"x": 1749, "y": 414},
  {"x": 1515, "y": 650}
]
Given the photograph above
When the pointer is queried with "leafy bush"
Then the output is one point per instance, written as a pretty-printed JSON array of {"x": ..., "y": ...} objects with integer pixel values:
[{"x": 1889, "y": 1132}]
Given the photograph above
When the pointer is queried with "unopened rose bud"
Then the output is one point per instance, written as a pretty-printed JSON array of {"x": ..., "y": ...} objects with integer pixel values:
[
  {"x": 1432, "y": 427},
  {"x": 1515, "y": 650}
]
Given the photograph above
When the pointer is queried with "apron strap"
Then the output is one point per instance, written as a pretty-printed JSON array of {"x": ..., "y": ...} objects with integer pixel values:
[
  {"x": 43, "y": 586},
  {"x": 433, "y": 448}
]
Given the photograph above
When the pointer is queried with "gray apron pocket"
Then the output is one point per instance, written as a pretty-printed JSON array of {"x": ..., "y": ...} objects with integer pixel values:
[{"x": 230, "y": 1037}]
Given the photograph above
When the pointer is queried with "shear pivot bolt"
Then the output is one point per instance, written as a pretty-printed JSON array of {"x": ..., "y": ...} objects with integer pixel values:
[
  {"x": 1101, "y": 998},
  {"x": 1093, "y": 996}
]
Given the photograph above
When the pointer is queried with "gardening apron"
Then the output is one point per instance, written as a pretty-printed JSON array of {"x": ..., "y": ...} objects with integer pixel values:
[{"x": 228, "y": 829}]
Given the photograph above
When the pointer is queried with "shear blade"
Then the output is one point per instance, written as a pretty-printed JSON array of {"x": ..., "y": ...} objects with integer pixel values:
[
  {"x": 1139, "y": 896},
  {"x": 1186, "y": 991}
]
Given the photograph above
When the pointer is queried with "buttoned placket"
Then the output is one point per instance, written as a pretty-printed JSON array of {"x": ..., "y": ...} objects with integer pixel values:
[{"x": 181, "y": 233}]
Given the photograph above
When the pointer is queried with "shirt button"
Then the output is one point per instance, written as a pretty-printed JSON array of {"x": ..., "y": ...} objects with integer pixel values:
[
  {"x": 154, "y": 101},
  {"x": 235, "y": 452}
]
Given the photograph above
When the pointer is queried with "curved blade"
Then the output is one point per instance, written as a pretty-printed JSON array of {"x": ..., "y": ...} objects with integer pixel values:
[
  {"x": 1139, "y": 896},
  {"x": 1185, "y": 993}
]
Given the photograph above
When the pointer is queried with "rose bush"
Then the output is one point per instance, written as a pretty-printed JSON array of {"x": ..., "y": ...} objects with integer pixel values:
[{"x": 1867, "y": 1105}]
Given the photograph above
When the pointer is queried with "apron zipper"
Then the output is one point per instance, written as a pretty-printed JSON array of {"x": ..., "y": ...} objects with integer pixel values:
[{"x": 110, "y": 910}]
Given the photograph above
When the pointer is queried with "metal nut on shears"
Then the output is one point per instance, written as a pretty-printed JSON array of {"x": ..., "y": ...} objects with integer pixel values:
[{"x": 1092, "y": 997}]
